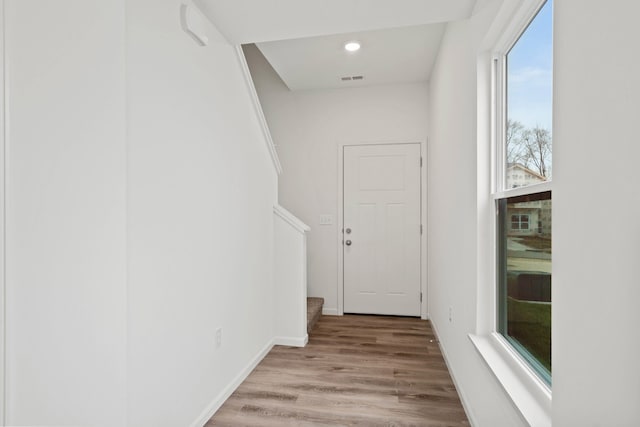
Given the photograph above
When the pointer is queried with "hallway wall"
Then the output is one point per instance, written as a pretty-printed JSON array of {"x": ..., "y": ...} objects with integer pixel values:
[
  {"x": 140, "y": 197},
  {"x": 596, "y": 379},
  {"x": 201, "y": 190},
  {"x": 65, "y": 213},
  {"x": 453, "y": 221},
  {"x": 596, "y": 376}
]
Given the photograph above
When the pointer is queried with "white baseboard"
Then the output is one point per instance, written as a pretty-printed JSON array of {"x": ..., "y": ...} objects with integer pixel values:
[
  {"x": 461, "y": 393},
  {"x": 229, "y": 389},
  {"x": 292, "y": 341},
  {"x": 330, "y": 311}
]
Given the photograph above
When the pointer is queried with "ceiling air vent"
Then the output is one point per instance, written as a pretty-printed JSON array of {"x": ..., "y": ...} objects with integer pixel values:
[{"x": 350, "y": 78}]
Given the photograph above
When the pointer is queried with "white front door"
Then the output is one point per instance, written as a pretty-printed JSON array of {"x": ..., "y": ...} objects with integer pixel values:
[{"x": 382, "y": 229}]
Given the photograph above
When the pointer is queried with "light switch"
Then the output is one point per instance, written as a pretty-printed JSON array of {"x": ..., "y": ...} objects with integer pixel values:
[{"x": 326, "y": 219}]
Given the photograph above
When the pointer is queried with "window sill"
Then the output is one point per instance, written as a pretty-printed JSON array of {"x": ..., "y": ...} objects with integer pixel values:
[{"x": 528, "y": 393}]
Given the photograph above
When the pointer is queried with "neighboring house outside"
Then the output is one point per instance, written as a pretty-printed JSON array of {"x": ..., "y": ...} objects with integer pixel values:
[
  {"x": 520, "y": 176},
  {"x": 525, "y": 220},
  {"x": 530, "y": 218}
]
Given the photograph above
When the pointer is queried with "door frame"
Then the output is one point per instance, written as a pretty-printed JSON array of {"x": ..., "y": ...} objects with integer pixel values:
[{"x": 424, "y": 313}]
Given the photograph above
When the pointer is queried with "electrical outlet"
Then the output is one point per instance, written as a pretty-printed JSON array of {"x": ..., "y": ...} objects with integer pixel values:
[
  {"x": 218, "y": 337},
  {"x": 450, "y": 313}
]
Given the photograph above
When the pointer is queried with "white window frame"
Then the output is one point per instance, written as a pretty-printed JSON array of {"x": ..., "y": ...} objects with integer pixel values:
[
  {"x": 501, "y": 191},
  {"x": 529, "y": 393}
]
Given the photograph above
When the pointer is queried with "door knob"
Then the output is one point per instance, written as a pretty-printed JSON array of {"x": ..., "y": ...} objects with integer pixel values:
[{"x": 348, "y": 243}]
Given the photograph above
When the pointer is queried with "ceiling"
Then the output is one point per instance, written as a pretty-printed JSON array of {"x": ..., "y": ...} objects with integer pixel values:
[
  {"x": 303, "y": 39},
  {"x": 400, "y": 55}
]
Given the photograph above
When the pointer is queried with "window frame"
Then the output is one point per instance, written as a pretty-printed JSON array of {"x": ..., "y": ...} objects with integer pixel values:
[
  {"x": 531, "y": 397},
  {"x": 499, "y": 167}
]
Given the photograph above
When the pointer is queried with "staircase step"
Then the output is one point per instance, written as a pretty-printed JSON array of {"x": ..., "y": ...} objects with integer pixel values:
[{"x": 314, "y": 311}]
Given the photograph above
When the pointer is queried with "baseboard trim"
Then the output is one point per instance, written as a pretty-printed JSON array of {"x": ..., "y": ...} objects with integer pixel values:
[
  {"x": 329, "y": 311},
  {"x": 229, "y": 389},
  {"x": 461, "y": 393},
  {"x": 292, "y": 341}
]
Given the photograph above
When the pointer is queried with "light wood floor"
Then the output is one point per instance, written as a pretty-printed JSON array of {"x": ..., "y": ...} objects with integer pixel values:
[{"x": 355, "y": 371}]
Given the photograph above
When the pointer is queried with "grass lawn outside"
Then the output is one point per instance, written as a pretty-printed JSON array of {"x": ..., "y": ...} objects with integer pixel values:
[
  {"x": 542, "y": 244},
  {"x": 530, "y": 324}
]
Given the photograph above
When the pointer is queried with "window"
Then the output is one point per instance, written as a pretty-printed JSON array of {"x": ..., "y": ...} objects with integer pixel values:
[
  {"x": 520, "y": 222},
  {"x": 526, "y": 71},
  {"x": 524, "y": 282},
  {"x": 523, "y": 77}
]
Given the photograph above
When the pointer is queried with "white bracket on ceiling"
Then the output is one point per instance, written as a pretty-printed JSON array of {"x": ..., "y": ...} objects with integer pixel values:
[{"x": 194, "y": 23}]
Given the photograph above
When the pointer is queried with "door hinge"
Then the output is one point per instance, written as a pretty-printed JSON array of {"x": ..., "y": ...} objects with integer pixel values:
[
  {"x": 420, "y": 229},
  {"x": 420, "y": 161},
  {"x": 420, "y": 296}
]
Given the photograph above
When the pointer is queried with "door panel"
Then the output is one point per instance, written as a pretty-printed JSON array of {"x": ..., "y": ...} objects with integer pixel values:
[{"x": 382, "y": 229}]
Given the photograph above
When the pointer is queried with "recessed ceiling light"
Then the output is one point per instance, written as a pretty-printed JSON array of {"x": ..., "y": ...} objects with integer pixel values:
[{"x": 352, "y": 46}]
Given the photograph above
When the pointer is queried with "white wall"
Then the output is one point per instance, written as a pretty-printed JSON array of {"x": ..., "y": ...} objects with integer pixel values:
[
  {"x": 65, "y": 242},
  {"x": 139, "y": 217},
  {"x": 290, "y": 296},
  {"x": 453, "y": 219},
  {"x": 596, "y": 378},
  {"x": 201, "y": 190},
  {"x": 596, "y": 375},
  {"x": 307, "y": 127},
  {"x": 2, "y": 218}
]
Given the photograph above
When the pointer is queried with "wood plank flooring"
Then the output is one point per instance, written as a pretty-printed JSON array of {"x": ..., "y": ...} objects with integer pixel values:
[{"x": 355, "y": 371}]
